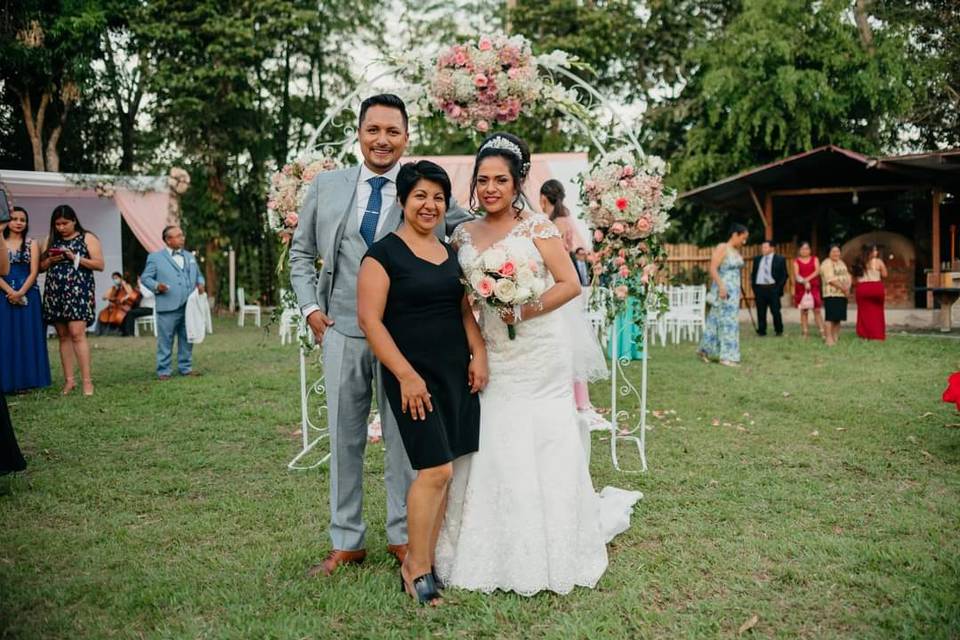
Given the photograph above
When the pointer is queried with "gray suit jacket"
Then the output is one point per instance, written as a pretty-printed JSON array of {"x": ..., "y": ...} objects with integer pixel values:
[{"x": 329, "y": 201}]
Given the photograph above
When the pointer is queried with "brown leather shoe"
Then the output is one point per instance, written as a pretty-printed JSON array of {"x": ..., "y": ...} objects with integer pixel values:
[
  {"x": 163, "y": 378},
  {"x": 334, "y": 559},
  {"x": 398, "y": 551}
]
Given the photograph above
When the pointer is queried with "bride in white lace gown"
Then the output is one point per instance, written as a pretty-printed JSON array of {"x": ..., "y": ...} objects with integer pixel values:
[{"x": 522, "y": 514}]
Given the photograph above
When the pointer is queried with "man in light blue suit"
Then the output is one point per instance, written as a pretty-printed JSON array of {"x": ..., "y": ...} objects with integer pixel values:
[{"x": 172, "y": 274}]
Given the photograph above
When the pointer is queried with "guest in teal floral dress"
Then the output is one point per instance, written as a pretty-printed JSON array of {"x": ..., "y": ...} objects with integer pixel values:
[
  {"x": 721, "y": 335},
  {"x": 70, "y": 257}
]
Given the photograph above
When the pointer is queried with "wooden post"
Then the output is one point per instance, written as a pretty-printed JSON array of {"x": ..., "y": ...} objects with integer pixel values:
[
  {"x": 768, "y": 217},
  {"x": 937, "y": 196}
]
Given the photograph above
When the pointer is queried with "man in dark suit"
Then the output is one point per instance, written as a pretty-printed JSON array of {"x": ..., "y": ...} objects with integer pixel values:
[
  {"x": 583, "y": 267},
  {"x": 769, "y": 277}
]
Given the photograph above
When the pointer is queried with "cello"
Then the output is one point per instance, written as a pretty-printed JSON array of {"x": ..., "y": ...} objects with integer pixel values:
[{"x": 121, "y": 301}]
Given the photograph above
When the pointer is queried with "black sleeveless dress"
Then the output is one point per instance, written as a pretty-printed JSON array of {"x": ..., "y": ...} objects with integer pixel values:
[{"x": 423, "y": 316}]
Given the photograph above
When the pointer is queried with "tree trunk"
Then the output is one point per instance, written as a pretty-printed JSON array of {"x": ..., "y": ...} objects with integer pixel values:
[
  {"x": 217, "y": 188},
  {"x": 53, "y": 155},
  {"x": 34, "y": 125},
  {"x": 862, "y": 17}
]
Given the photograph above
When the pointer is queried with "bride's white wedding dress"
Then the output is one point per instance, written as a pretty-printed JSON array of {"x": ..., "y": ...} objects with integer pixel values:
[{"x": 522, "y": 513}]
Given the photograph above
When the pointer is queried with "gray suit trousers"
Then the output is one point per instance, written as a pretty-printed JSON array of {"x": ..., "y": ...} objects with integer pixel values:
[{"x": 350, "y": 372}]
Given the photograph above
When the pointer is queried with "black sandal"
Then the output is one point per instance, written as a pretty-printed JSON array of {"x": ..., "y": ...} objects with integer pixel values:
[
  {"x": 424, "y": 586},
  {"x": 436, "y": 579}
]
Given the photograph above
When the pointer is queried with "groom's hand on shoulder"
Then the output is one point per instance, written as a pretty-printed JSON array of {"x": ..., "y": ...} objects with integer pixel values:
[{"x": 319, "y": 323}]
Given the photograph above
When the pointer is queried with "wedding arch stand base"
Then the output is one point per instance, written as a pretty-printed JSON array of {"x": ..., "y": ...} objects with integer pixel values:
[
  {"x": 637, "y": 435},
  {"x": 319, "y": 432}
]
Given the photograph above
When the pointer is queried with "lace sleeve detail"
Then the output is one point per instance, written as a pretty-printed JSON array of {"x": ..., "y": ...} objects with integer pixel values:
[
  {"x": 460, "y": 236},
  {"x": 541, "y": 228}
]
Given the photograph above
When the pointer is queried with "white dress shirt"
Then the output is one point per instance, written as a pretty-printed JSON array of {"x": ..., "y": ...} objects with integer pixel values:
[
  {"x": 177, "y": 256},
  {"x": 765, "y": 273},
  {"x": 388, "y": 193}
]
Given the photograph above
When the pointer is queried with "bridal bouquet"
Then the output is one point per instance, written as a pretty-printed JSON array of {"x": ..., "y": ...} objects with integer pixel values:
[
  {"x": 628, "y": 207},
  {"x": 504, "y": 280},
  {"x": 490, "y": 80},
  {"x": 288, "y": 188}
]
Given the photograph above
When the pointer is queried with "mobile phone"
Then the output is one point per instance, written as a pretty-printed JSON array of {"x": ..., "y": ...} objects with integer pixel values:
[
  {"x": 4, "y": 207},
  {"x": 54, "y": 251}
]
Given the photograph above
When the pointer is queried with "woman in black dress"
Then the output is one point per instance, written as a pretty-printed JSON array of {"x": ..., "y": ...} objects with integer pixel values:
[
  {"x": 413, "y": 309},
  {"x": 70, "y": 257}
]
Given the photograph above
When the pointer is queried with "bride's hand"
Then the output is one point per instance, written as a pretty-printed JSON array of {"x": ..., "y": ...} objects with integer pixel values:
[
  {"x": 415, "y": 397},
  {"x": 478, "y": 374}
]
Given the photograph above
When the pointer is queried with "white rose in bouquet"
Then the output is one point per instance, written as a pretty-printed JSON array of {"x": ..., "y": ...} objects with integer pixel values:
[{"x": 505, "y": 290}]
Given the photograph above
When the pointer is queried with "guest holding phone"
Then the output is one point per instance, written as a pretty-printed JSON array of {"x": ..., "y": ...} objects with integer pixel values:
[
  {"x": 70, "y": 257},
  {"x": 24, "y": 363},
  {"x": 10, "y": 457}
]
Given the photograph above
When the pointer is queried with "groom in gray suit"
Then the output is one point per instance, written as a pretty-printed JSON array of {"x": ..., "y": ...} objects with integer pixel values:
[{"x": 344, "y": 213}]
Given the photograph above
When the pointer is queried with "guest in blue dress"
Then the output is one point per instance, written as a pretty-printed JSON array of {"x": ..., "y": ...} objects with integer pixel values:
[
  {"x": 10, "y": 457},
  {"x": 70, "y": 257},
  {"x": 721, "y": 335},
  {"x": 24, "y": 363}
]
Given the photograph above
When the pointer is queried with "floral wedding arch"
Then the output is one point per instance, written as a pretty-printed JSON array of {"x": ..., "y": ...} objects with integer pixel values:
[{"x": 484, "y": 84}]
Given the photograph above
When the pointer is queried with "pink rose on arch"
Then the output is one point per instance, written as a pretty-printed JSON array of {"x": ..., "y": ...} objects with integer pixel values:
[
  {"x": 485, "y": 44},
  {"x": 460, "y": 57},
  {"x": 624, "y": 272},
  {"x": 508, "y": 268},
  {"x": 598, "y": 236},
  {"x": 645, "y": 278},
  {"x": 627, "y": 171},
  {"x": 644, "y": 225},
  {"x": 454, "y": 111},
  {"x": 291, "y": 220},
  {"x": 481, "y": 81},
  {"x": 621, "y": 292},
  {"x": 619, "y": 261},
  {"x": 485, "y": 287},
  {"x": 622, "y": 253},
  {"x": 483, "y": 126},
  {"x": 616, "y": 227}
]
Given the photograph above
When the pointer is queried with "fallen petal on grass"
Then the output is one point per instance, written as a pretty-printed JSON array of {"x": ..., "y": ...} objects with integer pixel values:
[
  {"x": 814, "y": 434},
  {"x": 748, "y": 624}
]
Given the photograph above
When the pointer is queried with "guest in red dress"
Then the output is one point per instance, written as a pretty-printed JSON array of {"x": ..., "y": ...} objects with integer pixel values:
[
  {"x": 870, "y": 272},
  {"x": 806, "y": 273}
]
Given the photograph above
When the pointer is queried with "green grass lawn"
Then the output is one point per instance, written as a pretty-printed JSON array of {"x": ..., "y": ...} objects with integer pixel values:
[{"x": 816, "y": 489}]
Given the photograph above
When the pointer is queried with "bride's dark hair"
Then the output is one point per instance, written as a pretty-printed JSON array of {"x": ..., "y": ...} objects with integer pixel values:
[{"x": 519, "y": 166}]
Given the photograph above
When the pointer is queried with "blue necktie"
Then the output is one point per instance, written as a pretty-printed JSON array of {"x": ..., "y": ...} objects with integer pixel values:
[{"x": 368, "y": 226}]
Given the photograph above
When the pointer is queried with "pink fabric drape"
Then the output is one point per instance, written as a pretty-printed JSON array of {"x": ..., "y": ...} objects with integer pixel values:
[{"x": 146, "y": 214}]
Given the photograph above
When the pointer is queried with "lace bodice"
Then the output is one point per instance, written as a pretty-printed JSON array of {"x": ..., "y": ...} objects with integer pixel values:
[{"x": 533, "y": 362}]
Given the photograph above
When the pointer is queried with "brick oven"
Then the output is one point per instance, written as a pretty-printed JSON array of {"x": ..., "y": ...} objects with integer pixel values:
[{"x": 899, "y": 255}]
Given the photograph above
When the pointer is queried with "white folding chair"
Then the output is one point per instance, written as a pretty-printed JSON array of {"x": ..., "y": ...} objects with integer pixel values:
[
  {"x": 690, "y": 314},
  {"x": 146, "y": 322},
  {"x": 243, "y": 309}
]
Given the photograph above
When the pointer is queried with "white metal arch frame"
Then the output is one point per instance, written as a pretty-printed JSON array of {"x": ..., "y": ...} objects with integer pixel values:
[{"x": 632, "y": 431}]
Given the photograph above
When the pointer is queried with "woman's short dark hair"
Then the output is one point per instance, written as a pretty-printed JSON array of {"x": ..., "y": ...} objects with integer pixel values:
[
  {"x": 413, "y": 172},
  {"x": 554, "y": 192},
  {"x": 116, "y": 274},
  {"x": 504, "y": 145},
  {"x": 383, "y": 100},
  {"x": 26, "y": 229},
  {"x": 834, "y": 244},
  {"x": 736, "y": 229},
  {"x": 804, "y": 243}
]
